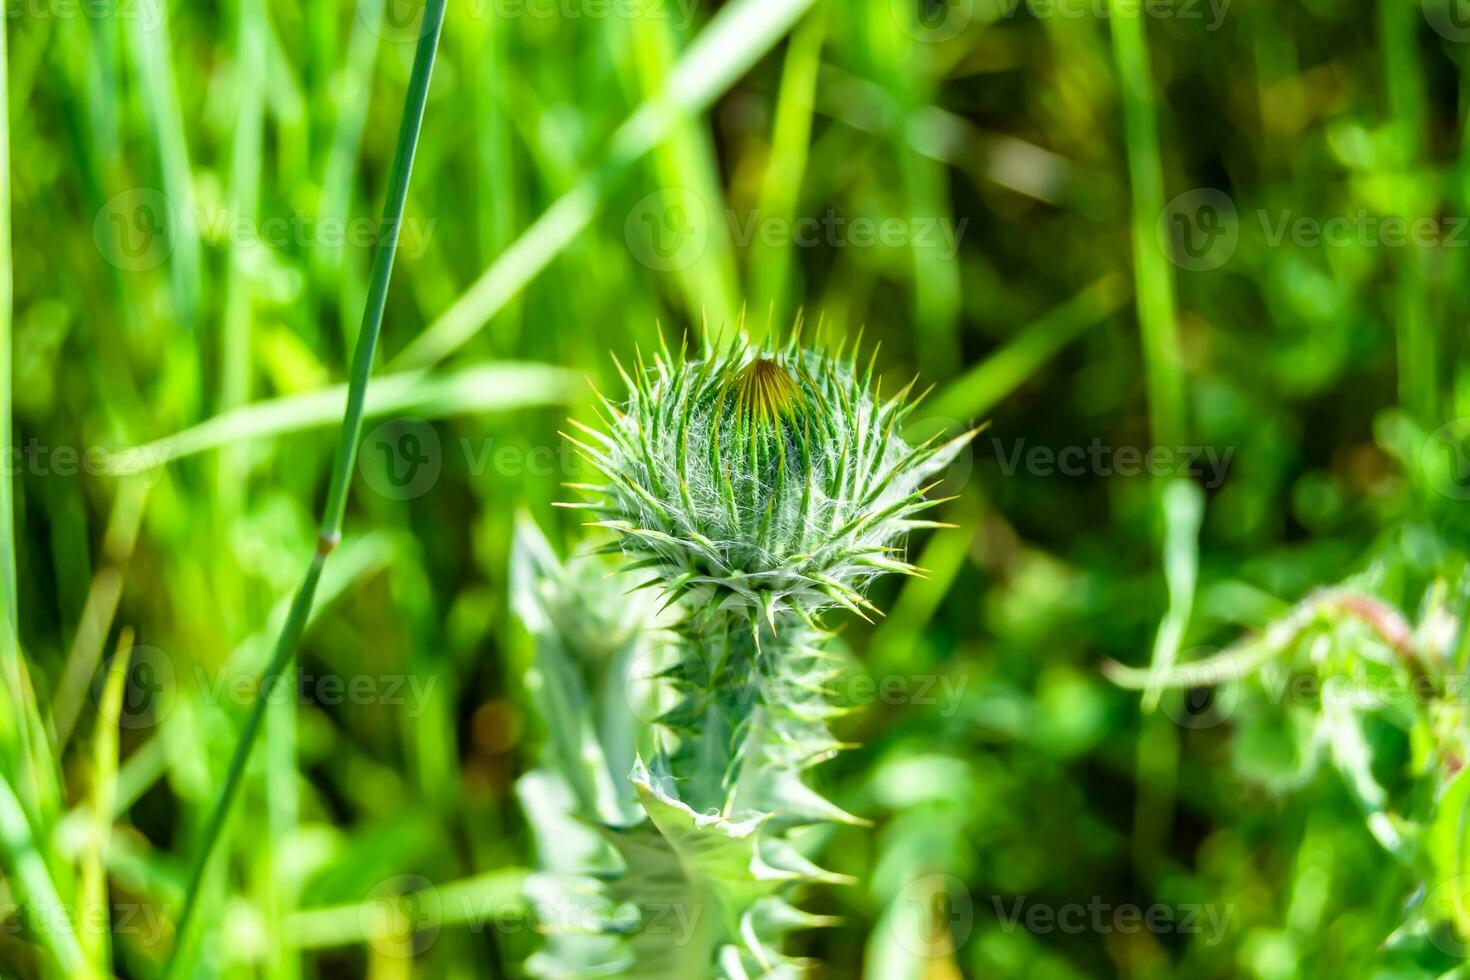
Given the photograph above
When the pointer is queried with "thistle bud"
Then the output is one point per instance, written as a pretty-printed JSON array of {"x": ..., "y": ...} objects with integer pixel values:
[{"x": 770, "y": 480}]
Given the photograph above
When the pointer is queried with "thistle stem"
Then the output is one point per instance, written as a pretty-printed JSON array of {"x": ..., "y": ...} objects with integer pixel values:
[{"x": 346, "y": 457}]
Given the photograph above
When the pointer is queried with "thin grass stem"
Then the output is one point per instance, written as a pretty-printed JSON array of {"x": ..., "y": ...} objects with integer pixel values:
[{"x": 346, "y": 456}]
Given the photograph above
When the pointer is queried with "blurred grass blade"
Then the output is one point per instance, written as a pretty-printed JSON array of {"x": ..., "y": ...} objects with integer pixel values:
[
  {"x": 1154, "y": 278},
  {"x": 36, "y": 891},
  {"x": 738, "y": 35},
  {"x": 1157, "y": 756},
  {"x": 14, "y": 732},
  {"x": 97, "y": 615},
  {"x": 685, "y": 158},
  {"x": 771, "y": 264},
  {"x": 493, "y": 898},
  {"x": 93, "y": 887},
  {"x": 7, "y": 301},
  {"x": 346, "y": 455},
  {"x": 1184, "y": 506},
  {"x": 148, "y": 36},
  {"x": 482, "y": 388},
  {"x": 236, "y": 350}
]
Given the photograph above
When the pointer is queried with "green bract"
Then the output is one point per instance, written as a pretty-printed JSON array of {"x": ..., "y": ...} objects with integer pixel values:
[
  {"x": 758, "y": 487},
  {"x": 774, "y": 479}
]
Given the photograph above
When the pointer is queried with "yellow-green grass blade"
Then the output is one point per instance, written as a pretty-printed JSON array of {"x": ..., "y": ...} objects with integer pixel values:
[
  {"x": 35, "y": 888},
  {"x": 493, "y": 387}
]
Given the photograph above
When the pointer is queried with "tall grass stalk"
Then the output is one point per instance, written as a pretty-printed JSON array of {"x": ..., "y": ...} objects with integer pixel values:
[
  {"x": 7, "y": 301},
  {"x": 1158, "y": 744},
  {"x": 24, "y": 861},
  {"x": 10, "y": 659},
  {"x": 346, "y": 456}
]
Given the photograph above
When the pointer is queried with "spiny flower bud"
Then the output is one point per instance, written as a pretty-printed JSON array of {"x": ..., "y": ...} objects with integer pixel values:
[{"x": 767, "y": 480}]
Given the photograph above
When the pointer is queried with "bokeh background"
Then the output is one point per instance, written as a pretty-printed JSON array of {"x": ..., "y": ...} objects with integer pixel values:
[{"x": 1202, "y": 264}]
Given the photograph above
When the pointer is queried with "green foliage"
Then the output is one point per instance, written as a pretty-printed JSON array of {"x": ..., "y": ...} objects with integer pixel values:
[
  {"x": 1345, "y": 682},
  {"x": 995, "y": 189}
]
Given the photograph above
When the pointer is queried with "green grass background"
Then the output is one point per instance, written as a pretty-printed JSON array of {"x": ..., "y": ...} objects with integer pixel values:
[{"x": 178, "y": 285}]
